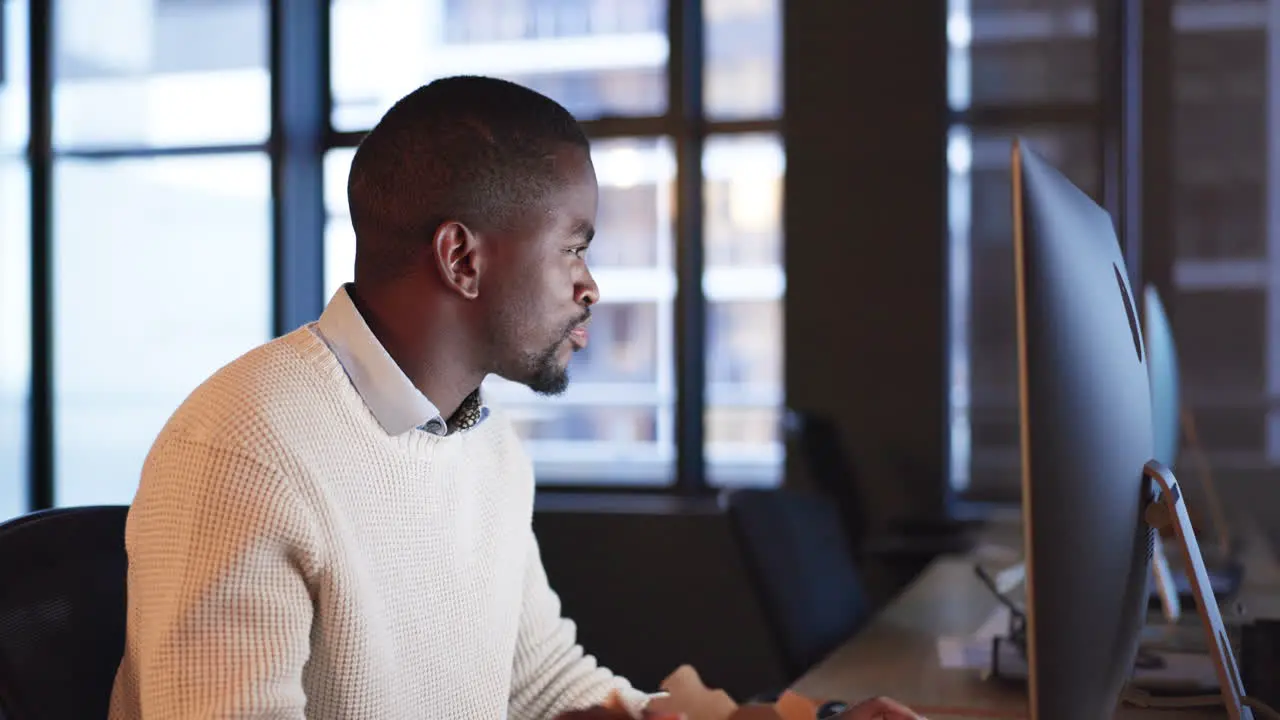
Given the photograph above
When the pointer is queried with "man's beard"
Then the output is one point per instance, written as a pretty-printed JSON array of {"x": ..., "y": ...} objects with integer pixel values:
[{"x": 546, "y": 376}]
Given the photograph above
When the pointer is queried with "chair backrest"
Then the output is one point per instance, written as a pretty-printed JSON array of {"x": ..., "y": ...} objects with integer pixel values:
[
  {"x": 797, "y": 553},
  {"x": 831, "y": 469},
  {"x": 62, "y": 611}
]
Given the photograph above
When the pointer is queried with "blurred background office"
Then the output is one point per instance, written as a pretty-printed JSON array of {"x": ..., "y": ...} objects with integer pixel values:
[{"x": 172, "y": 193}]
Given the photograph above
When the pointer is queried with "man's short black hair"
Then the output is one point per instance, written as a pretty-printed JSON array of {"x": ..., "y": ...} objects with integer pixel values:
[{"x": 467, "y": 148}]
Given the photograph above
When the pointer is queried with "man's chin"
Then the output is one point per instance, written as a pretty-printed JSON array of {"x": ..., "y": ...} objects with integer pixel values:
[
  {"x": 550, "y": 387},
  {"x": 549, "y": 383}
]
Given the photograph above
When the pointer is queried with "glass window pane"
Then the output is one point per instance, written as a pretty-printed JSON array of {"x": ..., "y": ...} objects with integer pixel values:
[
  {"x": 596, "y": 57},
  {"x": 744, "y": 284},
  {"x": 147, "y": 73},
  {"x": 983, "y": 356},
  {"x": 743, "y": 76},
  {"x": 339, "y": 238},
  {"x": 1021, "y": 52},
  {"x": 163, "y": 269},
  {"x": 1226, "y": 243},
  {"x": 615, "y": 423},
  {"x": 13, "y": 80},
  {"x": 1220, "y": 126},
  {"x": 15, "y": 265},
  {"x": 15, "y": 332}
]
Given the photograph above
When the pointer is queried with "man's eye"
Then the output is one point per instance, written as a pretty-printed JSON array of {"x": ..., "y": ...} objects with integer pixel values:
[{"x": 580, "y": 251}]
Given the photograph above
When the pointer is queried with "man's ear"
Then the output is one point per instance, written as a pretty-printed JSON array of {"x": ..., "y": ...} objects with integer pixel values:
[{"x": 456, "y": 250}]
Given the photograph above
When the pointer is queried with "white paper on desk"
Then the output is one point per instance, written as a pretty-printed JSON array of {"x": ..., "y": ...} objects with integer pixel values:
[
  {"x": 973, "y": 651},
  {"x": 964, "y": 653}
]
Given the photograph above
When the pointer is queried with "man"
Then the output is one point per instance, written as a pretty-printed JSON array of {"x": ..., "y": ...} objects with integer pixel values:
[{"x": 338, "y": 524}]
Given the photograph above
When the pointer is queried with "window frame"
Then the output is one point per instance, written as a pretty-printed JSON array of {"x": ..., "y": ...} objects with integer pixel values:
[{"x": 301, "y": 133}]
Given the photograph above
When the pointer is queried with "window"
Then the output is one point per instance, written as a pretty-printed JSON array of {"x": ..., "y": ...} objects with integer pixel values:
[
  {"x": 1226, "y": 244},
  {"x": 15, "y": 263},
  {"x": 1223, "y": 255},
  {"x": 743, "y": 76},
  {"x": 181, "y": 221},
  {"x": 339, "y": 238},
  {"x": 163, "y": 275},
  {"x": 744, "y": 284},
  {"x": 160, "y": 73},
  {"x": 616, "y": 424},
  {"x": 161, "y": 222},
  {"x": 596, "y": 57},
  {"x": 1022, "y": 53},
  {"x": 1025, "y": 58}
]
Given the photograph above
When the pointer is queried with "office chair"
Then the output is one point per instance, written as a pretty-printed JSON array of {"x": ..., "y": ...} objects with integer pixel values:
[
  {"x": 797, "y": 556},
  {"x": 62, "y": 612},
  {"x": 818, "y": 440}
]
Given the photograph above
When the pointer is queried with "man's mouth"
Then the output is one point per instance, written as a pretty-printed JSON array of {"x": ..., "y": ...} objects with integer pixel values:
[{"x": 578, "y": 336}]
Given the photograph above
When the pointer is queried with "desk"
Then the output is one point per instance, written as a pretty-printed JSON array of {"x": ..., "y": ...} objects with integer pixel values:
[{"x": 896, "y": 654}]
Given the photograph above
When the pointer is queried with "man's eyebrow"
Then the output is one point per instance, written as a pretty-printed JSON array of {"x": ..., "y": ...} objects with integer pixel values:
[{"x": 586, "y": 231}]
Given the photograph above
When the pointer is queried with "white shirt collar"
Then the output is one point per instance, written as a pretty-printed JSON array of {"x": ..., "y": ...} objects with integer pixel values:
[{"x": 392, "y": 398}]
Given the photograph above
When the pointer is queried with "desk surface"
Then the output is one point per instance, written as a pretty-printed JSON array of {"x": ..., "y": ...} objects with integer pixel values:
[{"x": 896, "y": 654}]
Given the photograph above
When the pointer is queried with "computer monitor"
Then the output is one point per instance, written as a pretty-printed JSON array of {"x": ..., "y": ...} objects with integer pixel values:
[
  {"x": 1162, "y": 369},
  {"x": 1089, "y": 485}
]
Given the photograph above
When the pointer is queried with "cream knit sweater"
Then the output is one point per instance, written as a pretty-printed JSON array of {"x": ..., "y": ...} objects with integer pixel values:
[{"x": 289, "y": 559}]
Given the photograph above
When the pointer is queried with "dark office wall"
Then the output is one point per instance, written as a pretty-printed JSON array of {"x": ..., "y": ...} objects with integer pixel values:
[
  {"x": 652, "y": 588},
  {"x": 866, "y": 122}
]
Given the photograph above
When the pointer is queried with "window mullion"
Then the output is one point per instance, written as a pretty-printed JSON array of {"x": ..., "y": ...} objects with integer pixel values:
[
  {"x": 687, "y": 42},
  {"x": 300, "y": 102}
]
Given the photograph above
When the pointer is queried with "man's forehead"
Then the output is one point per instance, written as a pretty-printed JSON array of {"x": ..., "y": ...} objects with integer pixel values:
[{"x": 570, "y": 158}]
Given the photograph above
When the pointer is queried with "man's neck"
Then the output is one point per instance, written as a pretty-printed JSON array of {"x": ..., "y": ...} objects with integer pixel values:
[{"x": 433, "y": 366}]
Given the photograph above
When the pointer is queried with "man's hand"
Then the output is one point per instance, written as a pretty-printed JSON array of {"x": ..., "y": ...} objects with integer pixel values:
[
  {"x": 878, "y": 709},
  {"x": 601, "y": 712},
  {"x": 873, "y": 709}
]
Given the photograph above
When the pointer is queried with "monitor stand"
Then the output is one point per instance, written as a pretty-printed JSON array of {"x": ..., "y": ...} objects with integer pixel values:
[{"x": 1169, "y": 509}]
